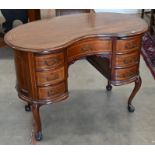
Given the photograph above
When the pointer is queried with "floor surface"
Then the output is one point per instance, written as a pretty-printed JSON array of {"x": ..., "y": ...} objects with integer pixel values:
[{"x": 91, "y": 115}]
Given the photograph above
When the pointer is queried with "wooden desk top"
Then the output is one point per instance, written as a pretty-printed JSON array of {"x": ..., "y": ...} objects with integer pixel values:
[{"x": 59, "y": 32}]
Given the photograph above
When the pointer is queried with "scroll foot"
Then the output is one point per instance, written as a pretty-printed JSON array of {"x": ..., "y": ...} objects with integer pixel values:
[
  {"x": 109, "y": 87},
  {"x": 38, "y": 136},
  {"x": 131, "y": 108},
  {"x": 27, "y": 108},
  {"x": 138, "y": 83}
]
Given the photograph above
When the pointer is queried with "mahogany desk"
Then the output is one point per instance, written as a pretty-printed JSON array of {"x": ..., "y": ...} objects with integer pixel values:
[{"x": 43, "y": 51}]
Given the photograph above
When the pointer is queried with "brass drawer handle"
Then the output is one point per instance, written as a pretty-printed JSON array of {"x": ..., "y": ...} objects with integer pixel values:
[
  {"x": 52, "y": 77},
  {"x": 130, "y": 45},
  {"x": 128, "y": 74},
  {"x": 86, "y": 48},
  {"x": 51, "y": 92},
  {"x": 51, "y": 62},
  {"x": 130, "y": 60}
]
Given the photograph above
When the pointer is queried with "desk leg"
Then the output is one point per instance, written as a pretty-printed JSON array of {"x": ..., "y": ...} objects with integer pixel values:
[
  {"x": 138, "y": 83},
  {"x": 36, "y": 116}
]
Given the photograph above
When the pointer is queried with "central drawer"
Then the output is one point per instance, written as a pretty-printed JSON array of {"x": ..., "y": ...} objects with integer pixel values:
[{"x": 88, "y": 47}]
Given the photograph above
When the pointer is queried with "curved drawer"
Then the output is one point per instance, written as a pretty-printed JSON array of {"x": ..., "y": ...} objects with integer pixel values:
[
  {"x": 49, "y": 61},
  {"x": 51, "y": 92},
  {"x": 87, "y": 47},
  {"x": 50, "y": 77},
  {"x": 126, "y": 60},
  {"x": 126, "y": 73},
  {"x": 125, "y": 45}
]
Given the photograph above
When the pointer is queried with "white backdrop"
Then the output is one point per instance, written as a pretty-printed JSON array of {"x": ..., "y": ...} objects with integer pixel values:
[{"x": 119, "y": 10}]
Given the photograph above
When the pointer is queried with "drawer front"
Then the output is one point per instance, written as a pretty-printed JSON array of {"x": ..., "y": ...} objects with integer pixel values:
[
  {"x": 50, "y": 77},
  {"x": 49, "y": 61},
  {"x": 51, "y": 92},
  {"x": 125, "y": 60},
  {"x": 128, "y": 44},
  {"x": 126, "y": 73},
  {"x": 88, "y": 47}
]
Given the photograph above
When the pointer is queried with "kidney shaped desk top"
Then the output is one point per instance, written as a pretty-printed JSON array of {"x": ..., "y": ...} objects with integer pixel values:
[{"x": 61, "y": 31}]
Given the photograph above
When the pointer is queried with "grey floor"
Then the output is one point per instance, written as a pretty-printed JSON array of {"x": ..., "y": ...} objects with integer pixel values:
[{"x": 90, "y": 116}]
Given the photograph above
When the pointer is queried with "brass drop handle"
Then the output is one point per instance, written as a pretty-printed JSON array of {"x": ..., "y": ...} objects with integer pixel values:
[
  {"x": 129, "y": 74},
  {"x": 86, "y": 48},
  {"x": 130, "y": 60},
  {"x": 51, "y": 62},
  {"x": 51, "y": 92},
  {"x": 52, "y": 77},
  {"x": 131, "y": 45}
]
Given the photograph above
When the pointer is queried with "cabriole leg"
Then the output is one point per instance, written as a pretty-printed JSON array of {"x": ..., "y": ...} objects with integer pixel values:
[
  {"x": 138, "y": 83},
  {"x": 109, "y": 86},
  {"x": 36, "y": 116}
]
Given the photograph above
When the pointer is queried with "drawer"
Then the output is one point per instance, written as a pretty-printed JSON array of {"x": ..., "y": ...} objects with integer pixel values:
[
  {"x": 128, "y": 44},
  {"x": 50, "y": 76},
  {"x": 51, "y": 92},
  {"x": 126, "y": 73},
  {"x": 49, "y": 61},
  {"x": 126, "y": 60},
  {"x": 84, "y": 48}
]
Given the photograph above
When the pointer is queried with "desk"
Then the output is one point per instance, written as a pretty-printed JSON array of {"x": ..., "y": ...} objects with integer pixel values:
[{"x": 43, "y": 51}]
